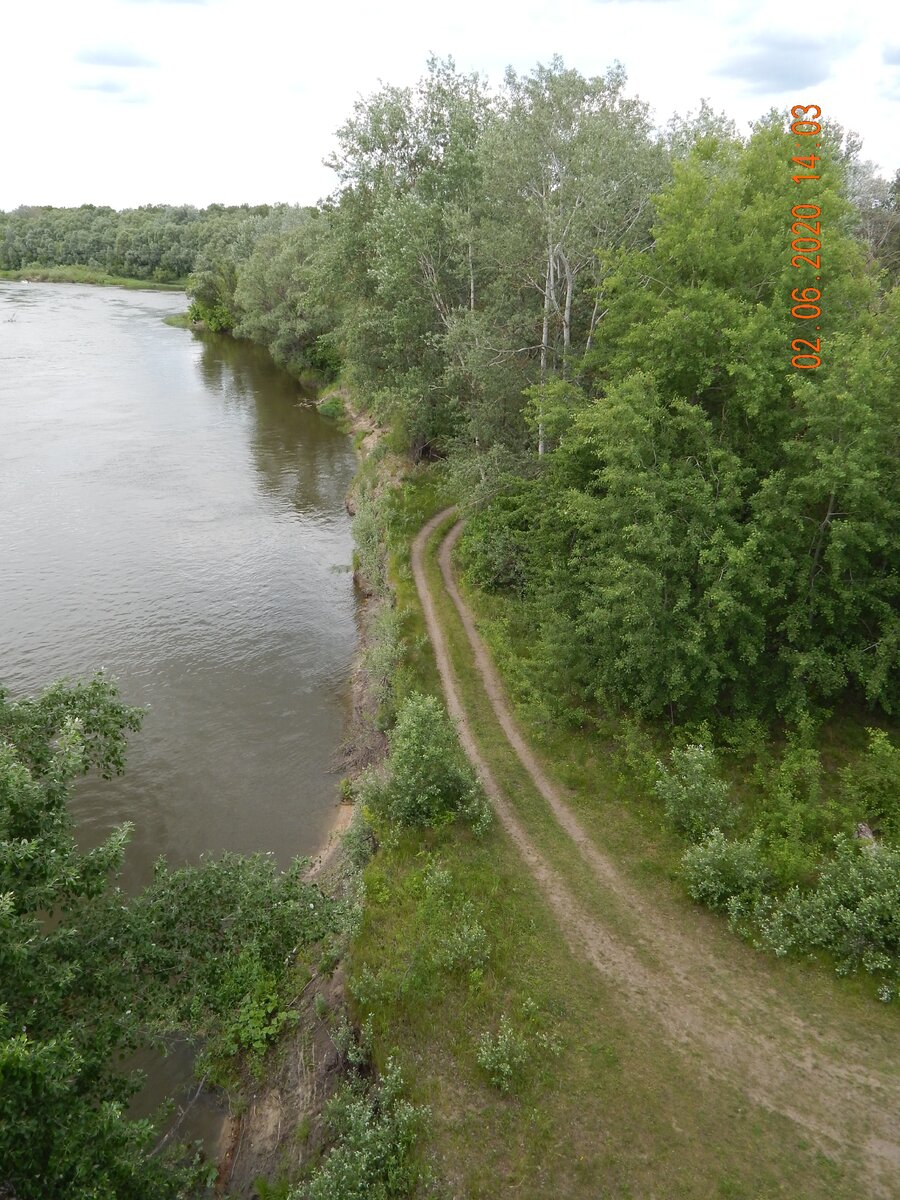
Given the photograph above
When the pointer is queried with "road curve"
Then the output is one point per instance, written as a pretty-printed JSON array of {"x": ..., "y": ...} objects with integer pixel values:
[{"x": 731, "y": 1028}]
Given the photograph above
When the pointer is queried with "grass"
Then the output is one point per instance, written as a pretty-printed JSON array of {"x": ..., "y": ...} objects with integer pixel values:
[
  {"x": 79, "y": 274},
  {"x": 605, "y": 1107}
]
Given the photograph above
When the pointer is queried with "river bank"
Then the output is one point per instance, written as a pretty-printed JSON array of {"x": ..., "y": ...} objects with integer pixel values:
[
  {"x": 308, "y": 1066},
  {"x": 88, "y": 275}
]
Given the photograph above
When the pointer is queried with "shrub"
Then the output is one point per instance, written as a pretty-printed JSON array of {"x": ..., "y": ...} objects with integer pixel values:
[
  {"x": 853, "y": 913},
  {"x": 494, "y": 548},
  {"x": 696, "y": 800},
  {"x": 870, "y": 788},
  {"x": 376, "y": 1131},
  {"x": 358, "y": 840},
  {"x": 718, "y": 870},
  {"x": 467, "y": 946},
  {"x": 428, "y": 782},
  {"x": 370, "y": 553},
  {"x": 382, "y": 661},
  {"x": 332, "y": 407},
  {"x": 502, "y": 1056}
]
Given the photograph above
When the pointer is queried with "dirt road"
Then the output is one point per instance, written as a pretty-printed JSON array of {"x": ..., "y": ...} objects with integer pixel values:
[{"x": 803, "y": 1062}]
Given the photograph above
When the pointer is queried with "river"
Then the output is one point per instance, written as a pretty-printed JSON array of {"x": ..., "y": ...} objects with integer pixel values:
[{"x": 170, "y": 511}]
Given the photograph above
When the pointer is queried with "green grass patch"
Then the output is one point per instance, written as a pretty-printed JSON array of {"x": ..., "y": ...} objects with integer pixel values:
[
  {"x": 332, "y": 408},
  {"x": 179, "y": 320}
]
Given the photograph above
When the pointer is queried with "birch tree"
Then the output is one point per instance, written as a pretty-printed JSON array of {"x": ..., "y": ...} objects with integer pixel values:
[{"x": 569, "y": 168}]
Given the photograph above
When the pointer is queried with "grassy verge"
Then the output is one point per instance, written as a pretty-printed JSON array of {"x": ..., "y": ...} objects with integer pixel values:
[
  {"x": 77, "y": 274},
  {"x": 600, "y": 1104}
]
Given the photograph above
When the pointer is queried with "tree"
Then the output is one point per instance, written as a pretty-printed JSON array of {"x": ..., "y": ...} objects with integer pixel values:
[
  {"x": 719, "y": 531},
  {"x": 88, "y": 974}
]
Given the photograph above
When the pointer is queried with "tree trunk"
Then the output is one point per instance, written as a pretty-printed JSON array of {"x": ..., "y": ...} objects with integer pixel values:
[
  {"x": 567, "y": 314},
  {"x": 545, "y": 346},
  {"x": 820, "y": 541}
]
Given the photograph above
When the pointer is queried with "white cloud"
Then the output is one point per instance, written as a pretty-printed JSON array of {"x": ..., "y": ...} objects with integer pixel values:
[
  {"x": 113, "y": 56},
  {"x": 246, "y": 95}
]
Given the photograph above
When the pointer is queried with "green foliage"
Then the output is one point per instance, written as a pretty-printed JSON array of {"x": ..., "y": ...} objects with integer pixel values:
[
  {"x": 210, "y": 945},
  {"x": 870, "y": 786},
  {"x": 853, "y": 913},
  {"x": 368, "y": 538},
  {"x": 376, "y": 1131},
  {"x": 215, "y": 315},
  {"x": 714, "y": 533},
  {"x": 65, "y": 1010},
  {"x": 502, "y": 1056},
  {"x": 428, "y": 783},
  {"x": 153, "y": 243},
  {"x": 448, "y": 940},
  {"x": 718, "y": 871},
  {"x": 359, "y": 840},
  {"x": 695, "y": 798},
  {"x": 494, "y": 547},
  {"x": 382, "y": 660},
  {"x": 206, "y": 950},
  {"x": 332, "y": 408}
]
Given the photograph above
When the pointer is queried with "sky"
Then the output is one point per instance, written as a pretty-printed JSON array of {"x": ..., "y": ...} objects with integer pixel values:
[{"x": 128, "y": 102}]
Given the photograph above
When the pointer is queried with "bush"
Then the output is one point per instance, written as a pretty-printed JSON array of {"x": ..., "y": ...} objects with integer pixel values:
[
  {"x": 870, "y": 788},
  {"x": 382, "y": 661},
  {"x": 717, "y": 871},
  {"x": 358, "y": 840},
  {"x": 494, "y": 547},
  {"x": 502, "y": 1056},
  {"x": 373, "y": 1158},
  {"x": 370, "y": 554},
  {"x": 467, "y": 945},
  {"x": 428, "y": 782},
  {"x": 696, "y": 800},
  {"x": 332, "y": 407},
  {"x": 853, "y": 913}
]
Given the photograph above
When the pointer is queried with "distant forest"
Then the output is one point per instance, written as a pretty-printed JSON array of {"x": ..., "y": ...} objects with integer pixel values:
[{"x": 157, "y": 242}]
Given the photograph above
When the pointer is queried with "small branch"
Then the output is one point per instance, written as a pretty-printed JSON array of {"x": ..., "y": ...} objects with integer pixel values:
[{"x": 182, "y": 1115}]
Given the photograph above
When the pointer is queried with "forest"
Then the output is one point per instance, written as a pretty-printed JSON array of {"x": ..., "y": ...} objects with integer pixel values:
[{"x": 575, "y": 325}]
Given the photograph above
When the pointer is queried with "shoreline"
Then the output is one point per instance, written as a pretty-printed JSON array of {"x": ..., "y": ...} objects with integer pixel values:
[{"x": 89, "y": 278}]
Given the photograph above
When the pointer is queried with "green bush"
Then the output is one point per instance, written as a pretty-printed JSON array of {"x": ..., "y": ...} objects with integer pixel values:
[
  {"x": 718, "y": 871},
  {"x": 696, "y": 800},
  {"x": 358, "y": 840},
  {"x": 382, "y": 661},
  {"x": 502, "y": 1056},
  {"x": 494, "y": 550},
  {"x": 467, "y": 946},
  {"x": 332, "y": 408},
  {"x": 853, "y": 913},
  {"x": 428, "y": 783},
  {"x": 376, "y": 1130},
  {"x": 370, "y": 554},
  {"x": 870, "y": 788}
]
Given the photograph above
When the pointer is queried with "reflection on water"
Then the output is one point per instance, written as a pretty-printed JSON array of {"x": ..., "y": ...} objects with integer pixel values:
[
  {"x": 305, "y": 472},
  {"x": 172, "y": 511}
]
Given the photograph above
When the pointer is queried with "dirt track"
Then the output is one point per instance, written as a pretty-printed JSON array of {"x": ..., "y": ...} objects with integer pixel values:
[{"x": 842, "y": 1089}]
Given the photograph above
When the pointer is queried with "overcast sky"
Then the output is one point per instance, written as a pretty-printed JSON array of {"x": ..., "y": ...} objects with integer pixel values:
[{"x": 128, "y": 102}]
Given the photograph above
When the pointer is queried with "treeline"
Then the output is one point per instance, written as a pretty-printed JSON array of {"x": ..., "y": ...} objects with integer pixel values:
[{"x": 155, "y": 242}]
